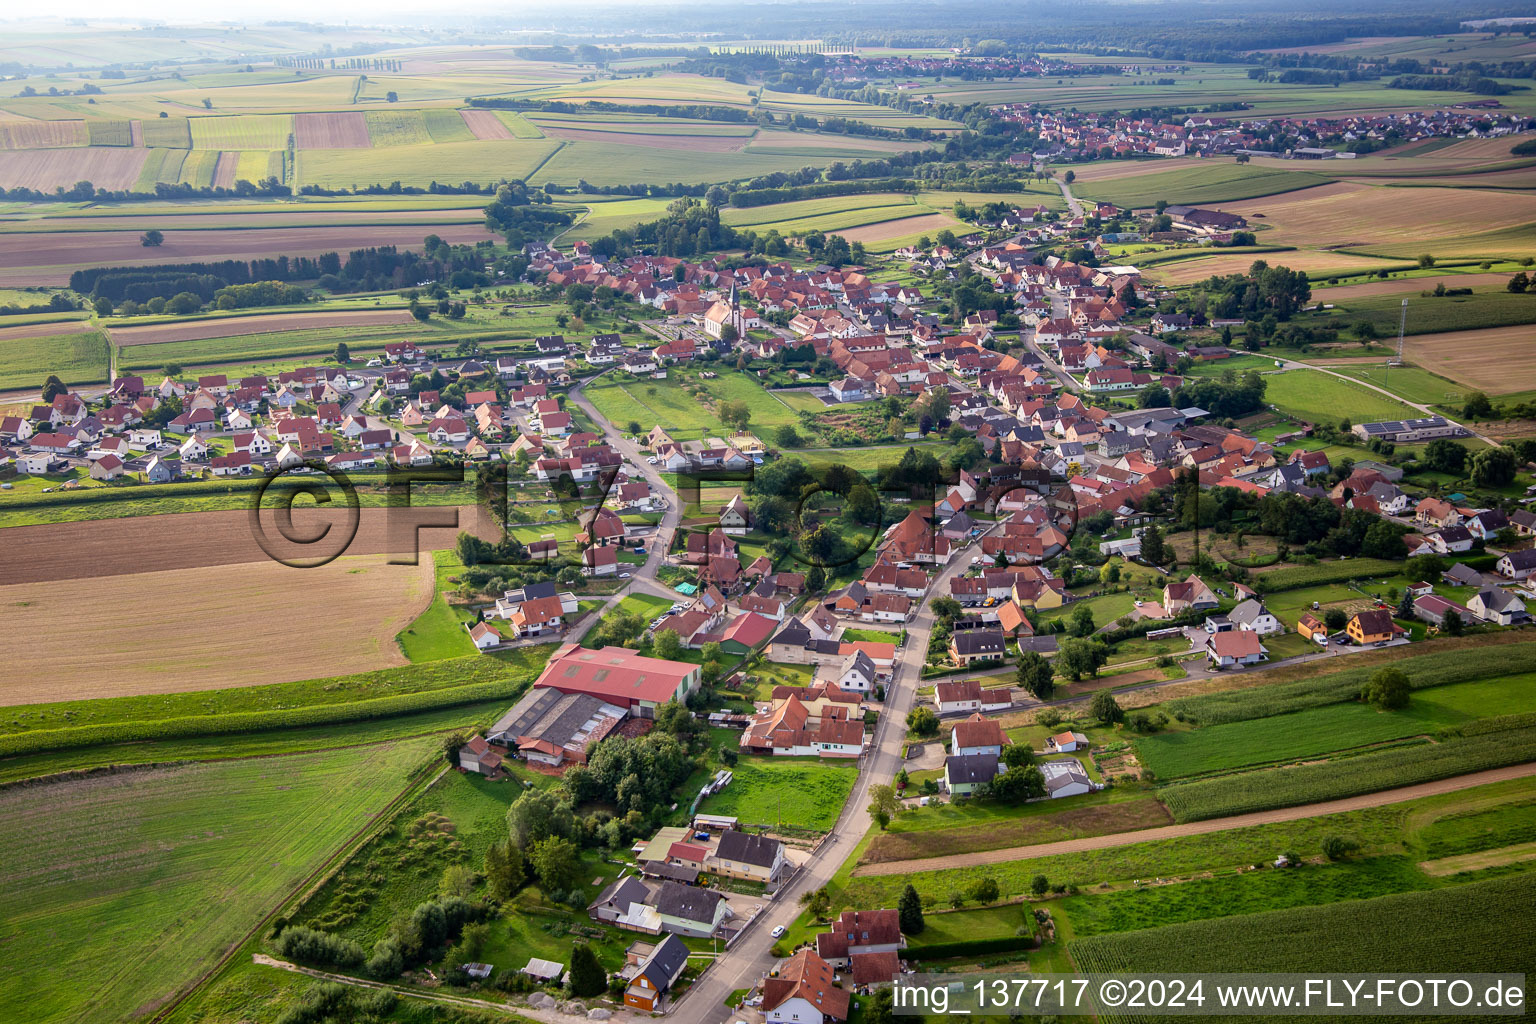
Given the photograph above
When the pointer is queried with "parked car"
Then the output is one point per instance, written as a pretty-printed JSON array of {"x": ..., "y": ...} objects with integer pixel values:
[{"x": 777, "y": 931}]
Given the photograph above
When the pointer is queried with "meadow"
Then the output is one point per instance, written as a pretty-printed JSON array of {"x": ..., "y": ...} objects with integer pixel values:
[
  {"x": 687, "y": 416},
  {"x": 159, "y": 870},
  {"x": 801, "y": 792}
]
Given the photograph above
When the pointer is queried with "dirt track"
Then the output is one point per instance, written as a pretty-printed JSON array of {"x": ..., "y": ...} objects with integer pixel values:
[
  {"x": 111, "y": 547},
  {"x": 1195, "y": 828}
]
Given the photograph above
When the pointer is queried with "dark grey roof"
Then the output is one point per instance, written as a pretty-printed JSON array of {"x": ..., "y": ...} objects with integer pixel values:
[
  {"x": 687, "y": 902},
  {"x": 675, "y": 872},
  {"x": 748, "y": 848},
  {"x": 1040, "y": 644},
  {"x": 622, "y": 892},
  {"x": 536, "y": 715},
  {"x": 1070, "y": 772},
  {"x": 666, "y": 962},
  {"x": 979, "y": 641},
  {"x": 795, "y": 634},
  {"x": 1248, "y": 612},
  {"x": 1520, "y": 559},
  {"x": 1463, "y": 573},
  {"x": 971, "y": 768}
]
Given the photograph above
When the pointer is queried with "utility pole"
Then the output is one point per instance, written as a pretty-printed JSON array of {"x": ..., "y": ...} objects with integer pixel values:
[{"x": 1402, "y": 327}]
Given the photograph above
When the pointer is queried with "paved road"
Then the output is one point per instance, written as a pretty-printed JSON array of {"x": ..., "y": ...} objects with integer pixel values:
[
  {"x": 1196, "y": 828},
  {"x": 1073, "y": 203},
  {"x": 749, "y": 959}
]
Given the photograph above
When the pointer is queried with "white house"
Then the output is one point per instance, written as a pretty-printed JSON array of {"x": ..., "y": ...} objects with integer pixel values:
[
  {"x": 857, "y": 674},
  {"x": 1066, "y": 742},
  {"x": 1494, "y": 605},
  {"x": 1254, "y": 617},
  {"x": 1517, "y": 565},
  {"x": 1067, "y": 777},
  {"x": 978, "y": 735},
  {"x": 484, "y": 636},
  {"x": 1234, "y": 647}
]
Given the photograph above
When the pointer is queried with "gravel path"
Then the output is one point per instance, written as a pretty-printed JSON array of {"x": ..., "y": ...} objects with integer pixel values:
[{"x": 1195, "y": 828}]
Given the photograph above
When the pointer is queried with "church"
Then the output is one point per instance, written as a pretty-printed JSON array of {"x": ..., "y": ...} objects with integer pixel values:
[{"x": 730, "y": 311}]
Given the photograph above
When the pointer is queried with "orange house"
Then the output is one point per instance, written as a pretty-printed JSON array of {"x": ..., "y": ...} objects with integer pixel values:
[
  {"x": 1311, "y": 627},
  {"x": 1372, "y": 626}
]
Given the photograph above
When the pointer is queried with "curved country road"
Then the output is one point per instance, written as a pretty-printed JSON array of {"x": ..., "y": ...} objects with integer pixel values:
[{"x": 1195, "y": 828}]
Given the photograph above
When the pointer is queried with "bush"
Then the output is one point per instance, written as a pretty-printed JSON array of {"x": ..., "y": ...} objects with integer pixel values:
[
  {"x": 1339, "y": 847},
  {"x": 974, "y": 947},
  {"x": 308, "y": 946}
]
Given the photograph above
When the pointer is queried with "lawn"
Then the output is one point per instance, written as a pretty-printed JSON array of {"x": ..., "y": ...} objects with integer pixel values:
[
  {"x": 878, "y": 636},
  {"x": 80, "y": 358},
  {"x": 159, "y": 871},
  {"x": 1320, "y": 398},
  {"x": 437, "y": 634},
  {"x": 1407, "y": 382},
  {"x": 1320, "y": 731},
  {"x": 801, "y": 792}
]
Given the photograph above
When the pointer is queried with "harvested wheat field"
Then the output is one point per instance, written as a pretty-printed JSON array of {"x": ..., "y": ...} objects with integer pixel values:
[
  {"x": 41, "y": 134},
  {"x": 51, "y": 327},
  {"x": 1346, "y": 214},
  {"x": 155, "y": 543},
  {"x": 1118, "y": 169},
  {"x": 1201, "y": 267},
  {"x": 344, "y": 130},
  {"x": 197, "y": 330},
  {"x": 207, "y": 629},
  {"x": 897, "y": 228},
  {"x": 1498, "y": 360}
]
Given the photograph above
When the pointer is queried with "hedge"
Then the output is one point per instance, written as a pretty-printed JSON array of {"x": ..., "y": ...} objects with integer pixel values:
[
  {"x": 975, "y": 947},
  {"x": 255, "y": 721}
]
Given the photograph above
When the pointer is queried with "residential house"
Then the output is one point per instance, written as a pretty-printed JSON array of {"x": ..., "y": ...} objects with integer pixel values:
[
  {"x": 484, "y": 637},
  {"x": 689, "y": 910},
  {"x": 969, "y": 646},
  {"x": 964, "y": 774},
  {"x": 747, "y": 855},
  {"x": 857, "y": 673},
  {"x": 804, "y": 991},
  {"x": 656, "y": 974},
  {"x": 1497, "y": 606},
  {"x": 1372, "y": 626},
  {"x": 1234, "y": 647},
  {"x": 857, "y": 933},
  {"x": 1254, "y": 617},
  {"x": 1517, "y": 565},
  {"x": 1311, "y": 627},
  {"x": 978, "y": 735},
  {"x": 1190, "y": 595},
  {"x": 736, "y": 517}
]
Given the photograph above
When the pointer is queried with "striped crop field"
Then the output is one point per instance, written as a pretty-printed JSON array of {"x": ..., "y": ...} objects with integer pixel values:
[
  {"x": 256, "y": 165},
  {"x": 41, "y": 134},
  {"x": 77, "y": 358},
  {"x": 160, "y": 165},
  {"x": 445, "y": 125},
  {"x": 224, "y": 173},
  {"x": 398, "y": 128},
  {"x": 167, "y": 132},
  {"x": 199, "y": 167},
  {"x": 109, "y": 133},
  {"x": 242, "y": 131},
  {"x": 518, "y": 125}
]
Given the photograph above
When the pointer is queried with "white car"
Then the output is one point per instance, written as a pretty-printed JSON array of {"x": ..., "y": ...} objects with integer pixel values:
[
  {"x": 777, "y": 931},
  {"x": 651, "y": 460},
  {"x": 623, "y": 575}
]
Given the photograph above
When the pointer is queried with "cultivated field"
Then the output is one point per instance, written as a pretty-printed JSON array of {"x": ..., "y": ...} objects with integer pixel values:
[
  {"x": 1498, "y": 360},
  {"x": 29, "y": 354},
  {"x": 1442, "y": 221},
  {"x": 484, "y": 124},
  {"x": 1204, "y": 182},
  {"x": 886, "y": 230},
  {"x": 158, "y": 871},
  {"x": 245, "y": 131},
  {"x": 344, "y": 130},
  {"x": 208, "y": 628},
  {"x": 143, "y": 543},
  {"x": 479, "y": 160},
  {"x": 68, "y": 251},
  {"x": 268, "y": 323},
  {"x": 1200, "y": 266},
  {"x": 47, "y": 169},
  {"x": 1320, "y": 398},
  {"x": 1404, "y": 287}
]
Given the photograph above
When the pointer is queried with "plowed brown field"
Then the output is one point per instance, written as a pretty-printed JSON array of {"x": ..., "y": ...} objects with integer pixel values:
[
  {"x": 110, "y": 167},
  {"x": 207, "y": 629},
  {"x": 485, "y": 124},
  {"x": 154, "y": 334},
  {"x": 140, "y": 544},
  {"x": 346, "y": 129}
]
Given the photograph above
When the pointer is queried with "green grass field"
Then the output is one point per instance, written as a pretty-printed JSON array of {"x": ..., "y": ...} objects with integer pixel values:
[
  {"x": 1387, "y": 933},
  {"x": 1408, "y": 382},
  {"x": 1322, "y": 731},
  {"x": 167, "y": 132},
  {"x": 75, "y": 358},
  {"x": 397, "y": 128},
  {"x": 478, "y": 160},
  {"x": 1485, "y": 307},
  {"x": 445, "y": 125},
  {"x": 241, "y": 131},
  {"x": 670, "y": 403},
  {"x": 1217, "y": 183},
  {"x": 1319, "y": 398},
  {"x": 158, "y": 870},
  {"x": 518, "y": 125},
  {"x": 804, "y": 792}
]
